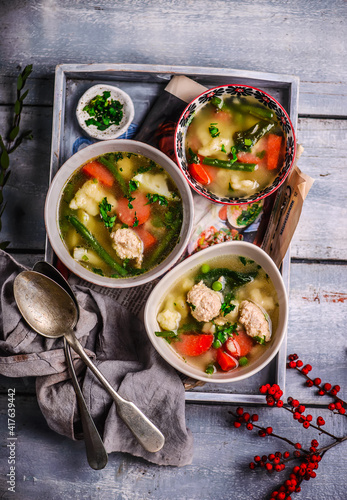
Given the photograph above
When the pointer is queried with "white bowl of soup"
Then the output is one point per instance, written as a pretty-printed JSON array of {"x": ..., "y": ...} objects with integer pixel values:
[
  {"x": 119, "y": 213},
  {"x": 221, "y": 314},
  {"x": 235, "y": 144}
]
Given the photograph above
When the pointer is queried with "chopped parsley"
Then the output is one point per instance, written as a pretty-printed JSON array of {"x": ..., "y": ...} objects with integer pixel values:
[
  {"x": 192, "y": 306},
  {"x": 223, "y": 149},
  {"x": 104, "y": 208},
  {"x": 153, "y": 198},
  {"x": 226, "y": 307},
  {"x": 136, "y": 221},
  {"x": 214, "y": 132},
  {"x": 130, "y": 199},
  {"x": 129, "y": 155},
  {"x": 133, "y": 185},
  {"x": 104, "y": 111},
  {"x": 124, "y": 226},
  {"x": 260, "y": 340},
  {"x": 98, "y": 271},
  {"x": 168, "y": 335},
  {"x": 243, "y": 260},
  {"x": 142, "y": 170},
  {"x": 222, "y": 333}
]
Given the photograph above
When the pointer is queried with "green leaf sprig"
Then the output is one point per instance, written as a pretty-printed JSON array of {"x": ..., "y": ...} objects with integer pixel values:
[{"x": 13, "y": 140}]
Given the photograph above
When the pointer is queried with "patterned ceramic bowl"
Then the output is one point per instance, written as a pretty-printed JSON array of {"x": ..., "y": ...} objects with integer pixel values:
[{"x": 242, "y": 91}]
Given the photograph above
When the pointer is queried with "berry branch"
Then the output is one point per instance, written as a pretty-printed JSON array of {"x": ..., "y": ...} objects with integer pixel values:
[
  {"x": 14, "y": 139},
  {"x": 309, "y": 459}
]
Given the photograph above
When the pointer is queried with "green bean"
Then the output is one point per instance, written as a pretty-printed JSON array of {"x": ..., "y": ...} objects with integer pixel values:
[
  {"x": 215, "y": 162},
  {"x": 164, "y": 243},
  {"x": 93, "y": 242},
  {"x": 246, "y": 139},
  {"x": 113, "y": 169}
]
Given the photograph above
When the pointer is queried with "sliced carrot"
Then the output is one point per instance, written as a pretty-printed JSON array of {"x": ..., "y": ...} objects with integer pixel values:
[
  {"x": 190, "y": 344},
  {"x": 273, "y": 150},
  {"x": 199, "y": 173},
  {"x": 147, "y": 238},
  {"x": 247, "y": 158},
  {"x": 97, "y": 171},
  {"x": 225, "y": 361},
  {"x": 140, "y": 209}
]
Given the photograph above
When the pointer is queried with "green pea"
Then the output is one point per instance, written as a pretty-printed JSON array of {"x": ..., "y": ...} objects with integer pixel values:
[
  {"x": 205, "y": 268},
  {"x": 243, "y": 361},
  {"x": 217, "y": 286},
  {"x": 216, "y": 344}
]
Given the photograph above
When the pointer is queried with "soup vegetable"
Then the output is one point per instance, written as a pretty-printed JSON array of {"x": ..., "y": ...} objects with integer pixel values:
[
  {"x": 235, "y": 146},
  {"x": 120, "y": 215},
  {"x": 222, "y": 315}
]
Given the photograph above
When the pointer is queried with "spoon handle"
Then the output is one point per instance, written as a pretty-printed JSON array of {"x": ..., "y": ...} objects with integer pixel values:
[
  {"x": 143, "y": 429},
  {"x": 96, "y": 453}
]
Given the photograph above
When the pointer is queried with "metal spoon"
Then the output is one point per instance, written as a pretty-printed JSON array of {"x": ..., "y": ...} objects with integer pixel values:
[
  {"x": 96, "y": 453},
  {"x": 51, "y": 312}
]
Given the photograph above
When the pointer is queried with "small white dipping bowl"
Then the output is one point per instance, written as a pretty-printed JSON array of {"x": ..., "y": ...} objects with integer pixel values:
[
  {"x": 64, "y": 174},
  {"x": 154, "y": 302},
  {"x": 113, "y": 131}
]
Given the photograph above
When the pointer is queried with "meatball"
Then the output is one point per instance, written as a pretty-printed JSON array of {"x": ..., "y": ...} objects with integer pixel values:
[
  {"x": 128, "y": 245},
  {"x": 254, "y": 320},
  {"x": 205, "y": 304}
]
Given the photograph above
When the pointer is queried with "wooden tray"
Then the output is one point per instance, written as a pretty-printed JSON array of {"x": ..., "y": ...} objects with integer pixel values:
[{"x": 144, "y": 83}]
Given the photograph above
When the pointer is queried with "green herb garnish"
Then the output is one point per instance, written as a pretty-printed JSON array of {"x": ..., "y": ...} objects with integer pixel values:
[
  {"x": 210, "y": 369},
  {"x": 168, "y": 335},
  {"x": 136, "y": 221},
  {"x": 104, "y": 111},
  {"x": 261, "y": 154},
  {"x": 130, "y": 199},
  {"x": 214, "y": 132},
  {"x": 133, "y": 185},
  {"x": 223, "y": 149},
  {"x": 243, "y": 260},
  {"x": 104, "y": 208},
  {"x": 193, "y": 157},
  {"x": 153, "y": 198},
  {"x": 260, "y": 340},
  {"x": 222, "y": 333},
  {"x": 99, "y": 271}
]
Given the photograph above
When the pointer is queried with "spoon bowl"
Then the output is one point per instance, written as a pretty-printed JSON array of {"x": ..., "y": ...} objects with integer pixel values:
[{"x": 51, "y": 312}]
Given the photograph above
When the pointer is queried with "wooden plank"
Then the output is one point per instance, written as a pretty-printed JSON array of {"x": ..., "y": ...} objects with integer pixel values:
[
  {"x": 321, "y": 233},
  {"x": 53, "y": 467}
]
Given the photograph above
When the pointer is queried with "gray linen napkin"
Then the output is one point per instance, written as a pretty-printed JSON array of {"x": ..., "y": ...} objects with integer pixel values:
[{"x": 117, "y": 342}]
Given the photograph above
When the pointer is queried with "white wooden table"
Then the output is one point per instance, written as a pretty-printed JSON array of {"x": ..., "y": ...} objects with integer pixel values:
[{"x": 304, "y": 38}]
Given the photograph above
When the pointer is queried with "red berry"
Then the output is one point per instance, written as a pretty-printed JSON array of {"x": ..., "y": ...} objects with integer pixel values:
[
  {"x": 296, "y": 415},
  {"x": 336, "y": 388},
  {"x": 239, "y": 411},
  {"x": 321, "y": 392},
  {"x": 263, "y": 389},
  {"x": 262, "y": 433},
  {"x": 252, "y": 465},
  {"x": 249, "y": 426},
  {"x": 278, "y": 454},
  {"x": 237, "y": 425},
  {"x": 306, "y": 425},
  {"x": 255, "y": 418},
  {"x": 308, "y": 368},
  {"x": 277, "y": 460},
  {"x": 314, "y": 443},
  {"x": 298, "y": 489},
  {"x": 257, "y": 458},
  {"x": 274, "y": 494},
  {"x": 309, "y": 418},
  {"x": 246, "y": 417},
  {"x": 299, "y": 363},
  {"x": 279, "y": 403},
  {"x": 281, "y": 496},
  {"x": 309, "y": 383},
  {"x": 320, "y": 421},
  {"x": 271, "y": 457},
  {"x": 338, "y": 405},
  {"x": 296, "y": 469},
  {"x": 298, "y": 446},
  {"x": 327, "y": 387},
  {"x": 333, "y": 392},
  {"x": 331, "y": 407},
  {"x": 278, "y": 468},
  {"x": 313, "y": 474},
  {"x": 342, "y": 411},
  {"x": 268, "y": 467},
  {"x": 291, "y": 364},
  {"x": 295, "y": 403},
  {"x": 272, "y": 391},
  {"x": 317, "y": 381},
  {"x": 286, "y": 454},
  {"x": 301, "y": 409},
  {"x": 296, "y": 453},
  {"x": 269, "y": 430}
]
